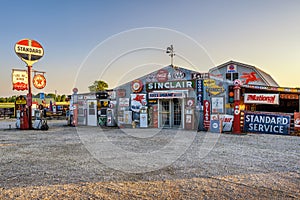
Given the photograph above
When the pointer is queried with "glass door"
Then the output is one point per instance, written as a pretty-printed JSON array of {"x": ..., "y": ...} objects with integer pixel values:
[
  {"x": 177, "y": 112},
  {"x": 164, "y": 113}
]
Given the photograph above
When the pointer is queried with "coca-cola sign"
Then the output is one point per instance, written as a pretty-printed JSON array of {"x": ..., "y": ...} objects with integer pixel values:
[
  {"x": 162, "y": 75},
  {"x": 19, "y": 79},
  {"x": 261, "y": 98}
]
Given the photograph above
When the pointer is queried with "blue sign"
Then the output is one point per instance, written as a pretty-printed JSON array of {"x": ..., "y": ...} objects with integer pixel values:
[
  {"x": 199, "y": 85},
  {"x": 267, "y": 123},
  {"x": 42, "y": 95}
]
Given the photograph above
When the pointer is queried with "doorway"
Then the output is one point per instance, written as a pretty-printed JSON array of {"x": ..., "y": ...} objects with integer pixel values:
[
  {"x": 92, "y": 112},
  {"x": 170, "y": 113}
]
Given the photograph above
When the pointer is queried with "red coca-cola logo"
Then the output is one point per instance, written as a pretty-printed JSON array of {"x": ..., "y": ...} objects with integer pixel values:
[
  {"x": 20, "y": 86},
  {"x": 162, "y": 75}
]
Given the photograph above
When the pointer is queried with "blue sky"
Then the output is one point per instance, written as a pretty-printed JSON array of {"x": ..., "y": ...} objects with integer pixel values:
[{"x": 118, "y": 41}]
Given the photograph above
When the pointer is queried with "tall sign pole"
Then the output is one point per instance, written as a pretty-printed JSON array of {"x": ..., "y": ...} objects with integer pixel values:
[{"x": 30, "y": 51}]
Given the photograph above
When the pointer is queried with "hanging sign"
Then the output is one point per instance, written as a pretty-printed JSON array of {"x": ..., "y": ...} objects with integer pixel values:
[
  {"x": 19, "y": 79},
  {"x": 39, "y": 81},
  {"x": 30, "y": 51}
]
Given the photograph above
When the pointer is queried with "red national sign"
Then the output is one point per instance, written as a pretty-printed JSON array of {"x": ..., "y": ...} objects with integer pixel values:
[
  {"x": 261, "y": 98},
  {"x": 206, "y": 113},
  {"x": 39, "y": 81},
  {"x": 29, "y": 50}
]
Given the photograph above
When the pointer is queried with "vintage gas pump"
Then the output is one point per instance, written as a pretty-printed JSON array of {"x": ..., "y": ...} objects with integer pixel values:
[
  {"x": 110, "y": 117},
  {"x": 24, "y": 118},
  {"x": 21, "y": 113},
  {"x": 144, "y": 117},
  {"x": 38, "y": 119},
  {"x": 237, "y": 113},
  {"x": 18, "y": 116}
]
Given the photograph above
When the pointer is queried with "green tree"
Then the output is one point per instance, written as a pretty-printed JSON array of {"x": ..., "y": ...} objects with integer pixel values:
[
  {"x": 63, "y": 98},
  {"x": 98, "y": 86},
  {"x": 58, "y": 98}
]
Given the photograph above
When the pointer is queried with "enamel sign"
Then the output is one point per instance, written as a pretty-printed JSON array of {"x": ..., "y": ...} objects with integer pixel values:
[
  {"x": 30, "y": 51},
  {"x": 261, "y": 98},
  {"x": 19, "y": 80},
  {"x": 255, "y": 122},
  {"x": 39, "y": 81}
]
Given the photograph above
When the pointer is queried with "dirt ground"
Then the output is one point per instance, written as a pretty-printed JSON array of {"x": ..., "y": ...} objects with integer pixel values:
[{"x": 61, "y": 164}]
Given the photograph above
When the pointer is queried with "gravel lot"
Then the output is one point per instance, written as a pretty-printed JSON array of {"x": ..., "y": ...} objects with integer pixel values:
[{"x": 89, "y": 162}]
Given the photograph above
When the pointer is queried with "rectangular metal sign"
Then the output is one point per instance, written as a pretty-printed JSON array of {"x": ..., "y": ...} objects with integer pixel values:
[{"x": 255, "y": 122}]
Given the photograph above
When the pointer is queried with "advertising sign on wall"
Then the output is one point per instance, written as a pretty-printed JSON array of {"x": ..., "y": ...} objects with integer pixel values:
[
  {"x": 297, "y": 121},
  {"x": 19, "y": 79},
  {"x": 124, "y": 102},
  {"x": 206, "y": 113},
  {"x": 171, "y": 85},
  {"x": 227, "y": 121},
  {"x": 199, "y": 87},
  {"x": 217, "y": 104},
  {"x": 261, "y": 98},
  {"x": 165, "y": 95},
  {"x": 231, "y": 68},
  {"x": 256, "y": 122},
  {"x": 137, "y": 101}
]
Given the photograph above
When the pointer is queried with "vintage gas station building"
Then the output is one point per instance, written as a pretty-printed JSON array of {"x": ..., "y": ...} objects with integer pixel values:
[{"x": 227, "y": 98}]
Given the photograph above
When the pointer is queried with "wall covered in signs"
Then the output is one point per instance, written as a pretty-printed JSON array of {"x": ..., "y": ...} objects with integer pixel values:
[
  {"x": 165, "y": 83},
  {"x": 272, "y": 123}
]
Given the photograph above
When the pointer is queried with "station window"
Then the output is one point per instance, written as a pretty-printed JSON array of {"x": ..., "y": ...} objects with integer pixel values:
[{"x": 232, "y": 76}]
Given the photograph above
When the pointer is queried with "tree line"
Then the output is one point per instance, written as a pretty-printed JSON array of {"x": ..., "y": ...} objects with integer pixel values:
[
  {"x": 97, "y": 85},
  {"x": 57, "y": 98}
]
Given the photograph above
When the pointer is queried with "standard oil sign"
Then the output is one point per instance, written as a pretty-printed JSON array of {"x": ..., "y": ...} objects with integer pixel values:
[{"x": 30, "y": 51}]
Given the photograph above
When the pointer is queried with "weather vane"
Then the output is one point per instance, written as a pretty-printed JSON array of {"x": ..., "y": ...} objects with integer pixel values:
[{"x": 170, "y": 51}]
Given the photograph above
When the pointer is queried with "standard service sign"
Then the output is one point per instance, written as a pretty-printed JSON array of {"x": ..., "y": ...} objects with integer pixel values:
[{"x": 29, "y": 51}]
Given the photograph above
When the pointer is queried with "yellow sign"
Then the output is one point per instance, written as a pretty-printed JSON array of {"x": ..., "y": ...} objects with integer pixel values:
[
  {"x": 215, "y": 90},
  {"x": 21, "y": 100},
  {"x": 209, "y": 82}
]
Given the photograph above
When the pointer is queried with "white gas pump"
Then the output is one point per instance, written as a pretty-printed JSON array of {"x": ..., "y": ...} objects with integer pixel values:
[{"x": 144, "y": 117}]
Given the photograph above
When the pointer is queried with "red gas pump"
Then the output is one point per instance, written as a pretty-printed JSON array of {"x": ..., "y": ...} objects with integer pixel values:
[
  {"x": 237, "y": 113},
  {"x": 24, "y": 125}
]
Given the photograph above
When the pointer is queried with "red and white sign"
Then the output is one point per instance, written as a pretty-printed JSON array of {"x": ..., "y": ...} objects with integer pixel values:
[
  {"x": 261, "y": 98},
  {"x": 297, "y": 121},
  {"x": 206, "y": 113},
  {"x": 137, "y": 86},
  {"x": 29, "y": 51},
  {"x": 231, "y": 68},
  {"x": 19, "y": 80},
  {"x": 75, "y": 90},
  {"x": 123, "y": 102},
  {"x": 39, "y": 81},
  {"x": 162, "y": 75}
]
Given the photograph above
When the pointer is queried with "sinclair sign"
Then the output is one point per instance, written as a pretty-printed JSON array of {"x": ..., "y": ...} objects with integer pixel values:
[{"x": 30, "y": 51}]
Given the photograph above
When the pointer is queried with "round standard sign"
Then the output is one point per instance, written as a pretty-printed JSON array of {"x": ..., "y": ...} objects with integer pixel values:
[{"x": 30, "y": 51}]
